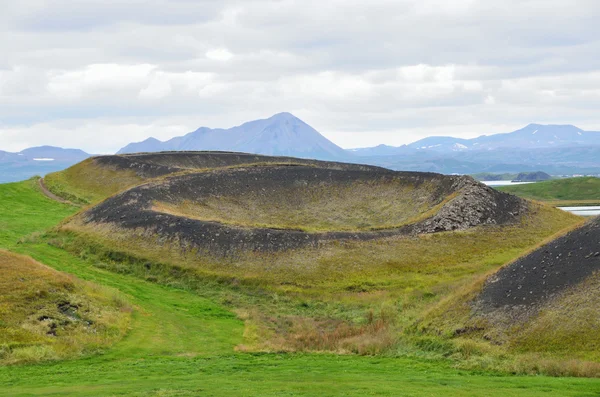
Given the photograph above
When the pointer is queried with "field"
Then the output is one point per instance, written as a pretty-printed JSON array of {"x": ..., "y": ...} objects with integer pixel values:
[
  {"x": 560, "y": 192},
  {"x": 184, "y": 339}
]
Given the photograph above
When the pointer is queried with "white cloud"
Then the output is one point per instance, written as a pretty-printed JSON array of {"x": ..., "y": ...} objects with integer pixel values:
[
  {"x": 104, "y": 79},
  {"x": 489, "y": 100},
  {"x": 93, "y": 136},
  {"x": 219, "y": 54},
  {"x": 363, "y": 73}
]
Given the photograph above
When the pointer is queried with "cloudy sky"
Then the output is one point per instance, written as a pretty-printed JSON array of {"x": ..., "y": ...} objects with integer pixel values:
[{"x": 97, "y": 74}]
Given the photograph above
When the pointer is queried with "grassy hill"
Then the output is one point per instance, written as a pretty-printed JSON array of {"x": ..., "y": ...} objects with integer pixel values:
[
  {"x": 545, "y": 304},
  {"x": 272, "y": 328},
  {"x": 47, "y": 315},
  {"x": 560, "y": 192},
  {"x": 97, "y": 178}
]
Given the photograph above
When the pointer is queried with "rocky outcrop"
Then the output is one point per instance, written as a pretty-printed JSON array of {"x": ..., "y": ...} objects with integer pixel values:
[{"x": 476, "y": 204}]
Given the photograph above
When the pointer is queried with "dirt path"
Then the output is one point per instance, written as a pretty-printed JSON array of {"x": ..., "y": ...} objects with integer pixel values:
[{"x": 53, "y": 196}]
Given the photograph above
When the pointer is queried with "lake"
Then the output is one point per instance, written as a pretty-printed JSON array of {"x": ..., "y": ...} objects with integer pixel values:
[
  {"x": 583, "y": 211},
  {"x": 504, "y": 183}
]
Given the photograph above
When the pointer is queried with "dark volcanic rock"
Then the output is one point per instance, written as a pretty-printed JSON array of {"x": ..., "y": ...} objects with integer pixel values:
[
  {"x": 474, "y": 204},
  {"x": 152, "y": 165},
  {"x": 146, "y": 170},
  {"x": 538, "y": 277}
]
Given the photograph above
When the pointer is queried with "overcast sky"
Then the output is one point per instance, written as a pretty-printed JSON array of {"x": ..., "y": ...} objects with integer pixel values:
[{"x": 98, "y": 74}]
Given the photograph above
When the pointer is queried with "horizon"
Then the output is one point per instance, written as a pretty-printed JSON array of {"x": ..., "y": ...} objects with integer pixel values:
[
  {"x": 98, "y": 75},
  {"x": 290, "y": 113}
]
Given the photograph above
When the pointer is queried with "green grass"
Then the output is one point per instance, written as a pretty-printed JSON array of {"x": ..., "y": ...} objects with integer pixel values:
[
  {"x": 47, "y": 315},
  {"x": 568, "y": 326},
  {"x": 571, "y": 191},
  {"x": 25, "y": 210},
  {"x": 277, "y": 375},
  {"x": 87, "y": 182},
  {"x": 182, "y": 344}
]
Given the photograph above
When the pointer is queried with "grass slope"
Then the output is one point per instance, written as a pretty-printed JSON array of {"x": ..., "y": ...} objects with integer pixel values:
[
  {"x": 47, "y": 315},
  {"x": 181, "y": 344},
  {"x": 88, "y": 182},
  {"x": 25, "y": 210},
  {"x": 560, "y": 192}
]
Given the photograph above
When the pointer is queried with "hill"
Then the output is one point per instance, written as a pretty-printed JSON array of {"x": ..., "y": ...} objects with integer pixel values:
[
  {"x": 100, "y": 177},
  {"x": 47, "y": 315},
  {"x": 532, "y": 177},
  {"x": 280, "y": 135},
  {"x": 569, "y": 191},
  {"x": 544, "y": 303},
  {"x": 37, "y": 161},
  {"x": 291, "y": 203},
  {"x": 319, "y": 232}
]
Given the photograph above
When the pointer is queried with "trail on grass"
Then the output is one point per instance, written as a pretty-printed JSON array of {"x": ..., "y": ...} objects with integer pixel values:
[{"x": 51, "y": 195}]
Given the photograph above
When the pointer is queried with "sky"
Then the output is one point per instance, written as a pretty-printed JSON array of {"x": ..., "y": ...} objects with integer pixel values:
[{"x": 98, "y": 74}]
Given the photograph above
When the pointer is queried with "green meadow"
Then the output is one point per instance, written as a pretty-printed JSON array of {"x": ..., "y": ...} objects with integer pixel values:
[
  {"x": 184, "y": 341},
  {"x": 560, "y": 192}
]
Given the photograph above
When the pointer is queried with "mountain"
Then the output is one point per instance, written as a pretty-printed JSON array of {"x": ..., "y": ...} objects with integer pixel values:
[
  {"x": 381, "y": 150},
  {"x": 440, "y": 143},
  {"x": 149, "y": 145},
  {"x": 37, "y": 161},
  {"x": 533, "y": 136},
  {"x": 282, "y": 134},
  {"x": 53, "y": 153},
  {"x": 559, "y": 161},
  {"x": 554, "y": 149}
]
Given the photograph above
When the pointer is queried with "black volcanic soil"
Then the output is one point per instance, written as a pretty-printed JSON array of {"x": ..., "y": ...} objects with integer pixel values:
[
  {"x": 153, "y": 165},
  {"x": 475, "y": 204},
  {"x": 542, "y": 275}
]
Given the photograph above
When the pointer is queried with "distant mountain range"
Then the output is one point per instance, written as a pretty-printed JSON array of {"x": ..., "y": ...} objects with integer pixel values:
[
  {"x": 37, "y": 161},
  {"x": 534, "y": 136},
  {"x": 554, "y": 149},
  {"x": 280, "y": 135}
]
